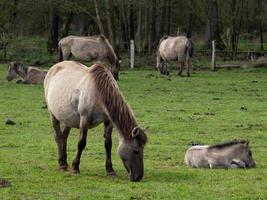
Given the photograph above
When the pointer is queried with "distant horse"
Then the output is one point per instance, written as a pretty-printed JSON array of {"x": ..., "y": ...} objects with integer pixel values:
[
  {"x": 228, "y": 155},
  {"x": 81, "y": 97},
  {"x": 90, "y": 48},
  {"x": 179, "y": 48},
  {"x": 30, "y": 75}
]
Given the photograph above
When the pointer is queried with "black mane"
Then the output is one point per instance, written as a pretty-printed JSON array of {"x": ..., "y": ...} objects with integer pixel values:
[{"x": 227, "y": 144}]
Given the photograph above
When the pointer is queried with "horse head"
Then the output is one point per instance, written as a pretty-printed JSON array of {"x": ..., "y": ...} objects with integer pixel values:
[
  {"x": 12, "y": 71},
  {"x": 246, "y": 155},
  {"x": 131, "y": 152}
]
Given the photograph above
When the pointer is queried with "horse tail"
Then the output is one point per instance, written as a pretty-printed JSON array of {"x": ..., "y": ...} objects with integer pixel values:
[{"x": 189, "y": 48}]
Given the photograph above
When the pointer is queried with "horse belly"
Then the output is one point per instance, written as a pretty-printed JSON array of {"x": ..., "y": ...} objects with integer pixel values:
[{"x": 65, "y": 112}]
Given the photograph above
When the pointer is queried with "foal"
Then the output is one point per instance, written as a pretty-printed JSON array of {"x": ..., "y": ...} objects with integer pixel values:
[
  {"x": 30, "y": 75},
  {"x": 228, "y": 155}
]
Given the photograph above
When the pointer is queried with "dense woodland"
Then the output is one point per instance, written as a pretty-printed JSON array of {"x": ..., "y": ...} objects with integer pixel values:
[{"x": 229, "y": 22}]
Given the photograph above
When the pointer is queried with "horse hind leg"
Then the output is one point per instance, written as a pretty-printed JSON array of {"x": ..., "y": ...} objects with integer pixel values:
[
  {"x": 181, "y": 68},
  {"x": 59, "y": 141},
  {"x": 81, "y": 145},
  {"x": 65, "y": 135},
  {"x": 108, "y": 146}
]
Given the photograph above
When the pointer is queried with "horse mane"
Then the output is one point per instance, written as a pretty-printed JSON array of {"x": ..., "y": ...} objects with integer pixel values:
[
  {"x": 118, "y": 110},
  {"x": 20, "y": 65},
  {"x": 227, "y": 144}
]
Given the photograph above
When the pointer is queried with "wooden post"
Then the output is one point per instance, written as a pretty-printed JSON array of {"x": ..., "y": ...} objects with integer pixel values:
[
  {"x": 132, "y": 54},
  {"x": 213, "y": 58},
  {"x": 178, "y": 31}
]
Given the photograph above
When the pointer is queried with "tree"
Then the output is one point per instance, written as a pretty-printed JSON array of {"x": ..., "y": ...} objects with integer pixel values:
[{"x": 53, "y": 30}]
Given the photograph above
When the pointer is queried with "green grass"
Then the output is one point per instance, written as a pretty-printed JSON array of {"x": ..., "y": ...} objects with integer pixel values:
[{"x": 204, "y": 108}]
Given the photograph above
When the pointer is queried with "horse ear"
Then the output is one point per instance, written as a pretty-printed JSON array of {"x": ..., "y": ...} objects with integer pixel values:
[
  {"x": 135, "y": 132},
  {"x": 247, "y": 142}
]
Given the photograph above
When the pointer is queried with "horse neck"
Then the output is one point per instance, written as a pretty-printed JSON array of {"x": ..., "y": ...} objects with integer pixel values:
[
  {"x": 22, "y": 71},
  {"x": 113, "y": 101}
]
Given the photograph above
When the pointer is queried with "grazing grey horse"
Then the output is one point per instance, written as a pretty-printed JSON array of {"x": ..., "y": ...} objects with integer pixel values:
[
  {"x": 228, "y": 155},
  {"x": 30, "y": 75},
  {"x": 82, "y": 97},
  {"x": 89, "y": 48},
  {"x": 179, "y": 48}
]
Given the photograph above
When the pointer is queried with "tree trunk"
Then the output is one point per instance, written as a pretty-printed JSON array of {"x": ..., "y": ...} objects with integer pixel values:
[
  {"x": 153, "y": 33},
  {"x": 213, "y": 25},
  {"x": 259, "y": 5},
  {"x": 163, "y": 19},
  {"x": 138, "y": 36},
  {"x": 131, "y": 20},
  {"x": 67, "y": 25},
  {"x": 190, "y": 21},
  {"x": 234, "y": 32},
  {"x": 53, "y": 31},
  {"x": 110, "y": 17},
  {"x": 99, "y": 22},
  {"x": 169, "y": 16}
]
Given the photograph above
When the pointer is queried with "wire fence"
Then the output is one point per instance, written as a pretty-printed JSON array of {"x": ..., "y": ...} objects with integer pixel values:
[{"x": 37, "y": 55}]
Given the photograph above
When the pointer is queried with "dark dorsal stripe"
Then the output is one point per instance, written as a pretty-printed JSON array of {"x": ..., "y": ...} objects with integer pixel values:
[
  {"x": 227, "y": 144},
  {"x": 118, "y": 110}
]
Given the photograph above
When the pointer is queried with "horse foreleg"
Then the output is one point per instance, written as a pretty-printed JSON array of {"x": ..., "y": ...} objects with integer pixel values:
[
  {"x": 65, "y": 135},
  {"x": 58, "y": 139},
  {"x": 108, "y": 146},
  {"x": 81, "y": 145},
  {"x": 181, "y": 68},
  {"x": 166, "y": 70}
]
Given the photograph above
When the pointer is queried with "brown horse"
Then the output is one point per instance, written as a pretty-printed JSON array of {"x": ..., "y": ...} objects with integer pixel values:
[
  {"x": 233, "y": 154},
  {"x": 179, "y": 48},
  {"x": 30, "y": 75},
  {"x": 81, "y": 97},
  {"x": 90, "y": 48}
]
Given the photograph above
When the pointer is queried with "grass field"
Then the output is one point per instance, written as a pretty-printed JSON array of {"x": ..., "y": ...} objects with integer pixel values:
[{"x": 209, "y": 107}]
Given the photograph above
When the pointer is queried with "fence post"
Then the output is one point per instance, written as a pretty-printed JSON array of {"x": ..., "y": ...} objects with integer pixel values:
[
  {"x": 132, "y": 54},
  {"x": 213, "y": 56}
]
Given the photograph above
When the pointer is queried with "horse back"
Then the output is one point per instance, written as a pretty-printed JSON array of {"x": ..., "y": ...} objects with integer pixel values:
[{"x": 172, "y": 48}]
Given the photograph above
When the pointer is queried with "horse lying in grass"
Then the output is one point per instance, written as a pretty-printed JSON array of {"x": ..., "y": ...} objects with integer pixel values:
[
  {"x": 90, "y": 48},
  {"x": 29, "y": 75},
  {"x": 179, "y": 48},
  {"x": 82, "y": 97},
  {"x": 234, "y": 154}
]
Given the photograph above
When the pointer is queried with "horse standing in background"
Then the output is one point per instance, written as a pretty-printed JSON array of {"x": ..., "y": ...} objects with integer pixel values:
[
  {"x": 82, "y": 97},
  {"x": 89, "y": 48},
  {"x": 234, "y": 154},
  {"x": 30, "y": 75},
  {"x": 179, "y": 48}
]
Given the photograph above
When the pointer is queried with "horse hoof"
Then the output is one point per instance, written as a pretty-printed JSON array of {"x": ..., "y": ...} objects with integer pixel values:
[
  {"x": 75, "y": 171},
  {"x": 63, "y": 168},
  {"x": 111, "y": 174}
]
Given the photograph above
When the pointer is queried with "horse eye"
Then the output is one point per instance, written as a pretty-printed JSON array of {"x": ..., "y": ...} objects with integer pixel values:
[{"x": 136, "y": 152}]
